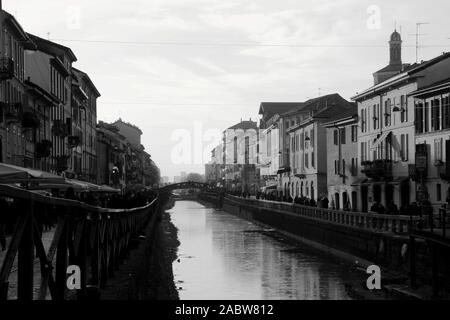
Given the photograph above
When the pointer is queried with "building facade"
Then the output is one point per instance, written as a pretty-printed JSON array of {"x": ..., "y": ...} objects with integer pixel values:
[
  {"x": 342, "y": 161},
  {"x": 16, "y": 136},
  {"x": 307, "y": 176},
  {"x": 386, "y": 134}
]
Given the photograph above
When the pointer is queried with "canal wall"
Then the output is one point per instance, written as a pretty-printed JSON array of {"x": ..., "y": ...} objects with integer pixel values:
[
  {"x": 147, "y": 273},
  {"x": 357, "y": 238}
]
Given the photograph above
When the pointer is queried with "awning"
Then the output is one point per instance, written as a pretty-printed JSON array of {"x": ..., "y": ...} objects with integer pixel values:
[
  {"x": 381, "y": 139},
  {"x": 283, "y": 170},
  {"x": 11, "y": 174},
  {"x": 360, "y": 182},
  {"x": 399, "y": 180}
]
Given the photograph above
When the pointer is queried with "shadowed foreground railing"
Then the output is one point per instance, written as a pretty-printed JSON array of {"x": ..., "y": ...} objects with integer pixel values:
[
  {"x": 92, "y": 238},
  {"x": 369, "y": 221}
]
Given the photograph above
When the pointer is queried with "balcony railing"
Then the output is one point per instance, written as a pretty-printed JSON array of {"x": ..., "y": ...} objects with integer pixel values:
[
  {"x": 369, "y": 221},
  {"x": 6, "y": 68},
  {"x": 74, "y": 141},
  {"x": 13, "y": 112},
  {"x": 30, "y": 120},
  {"x": 378, "y": 169}
]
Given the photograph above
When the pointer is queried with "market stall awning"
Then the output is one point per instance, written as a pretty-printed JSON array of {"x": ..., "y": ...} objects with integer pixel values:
[{"x": 13, "y": 174}]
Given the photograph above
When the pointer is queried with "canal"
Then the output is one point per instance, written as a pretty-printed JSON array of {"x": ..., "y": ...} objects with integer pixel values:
[{"x": 224, "y": 257}]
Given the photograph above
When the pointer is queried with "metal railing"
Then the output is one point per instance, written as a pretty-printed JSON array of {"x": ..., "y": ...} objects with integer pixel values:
[
  {"x": 92, "y": 238},
  {"x": 369, "y": 221}
]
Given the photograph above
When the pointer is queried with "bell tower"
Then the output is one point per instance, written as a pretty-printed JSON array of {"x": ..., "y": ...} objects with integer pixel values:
[{"x": 395, "y": 46}]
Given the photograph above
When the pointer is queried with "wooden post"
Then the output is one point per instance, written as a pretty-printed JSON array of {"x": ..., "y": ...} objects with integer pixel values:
[
  {"x": 435, "y": 269},
  {"x": 26, "y": 258},
  {"x": 61, "y": 262},
  {"x": 412, "y": 259},
  {"x": 95, "y": 257}
]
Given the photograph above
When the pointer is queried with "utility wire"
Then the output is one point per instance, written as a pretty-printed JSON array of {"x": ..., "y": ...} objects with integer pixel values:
[{"x": 218, "y": 44}]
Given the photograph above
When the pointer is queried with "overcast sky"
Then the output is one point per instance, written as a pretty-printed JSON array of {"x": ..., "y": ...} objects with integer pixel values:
[{"x": 211, "y": 62}]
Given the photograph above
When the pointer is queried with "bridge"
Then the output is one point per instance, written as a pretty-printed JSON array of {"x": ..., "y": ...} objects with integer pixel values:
[
  {"x": 184, "y": 185},
  {"x": 97, "y": 240}
]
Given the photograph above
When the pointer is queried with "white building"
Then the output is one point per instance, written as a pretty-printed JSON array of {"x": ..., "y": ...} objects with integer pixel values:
[{"x": 386, "y": 132}]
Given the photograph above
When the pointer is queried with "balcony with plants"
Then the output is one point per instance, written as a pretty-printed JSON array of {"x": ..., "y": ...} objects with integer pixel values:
[
  {"x": 43, "y": 149},
  {"x": 6, "y": 68},
  {"x": 60, "y": 129},
  {"x": 30, "y": 120}
]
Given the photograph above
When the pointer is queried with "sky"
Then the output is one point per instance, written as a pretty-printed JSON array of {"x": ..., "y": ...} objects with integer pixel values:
[{"x": 182, "y": 70}]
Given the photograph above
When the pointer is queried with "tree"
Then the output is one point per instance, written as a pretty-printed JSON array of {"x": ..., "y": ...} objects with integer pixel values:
[{"x": 195, "y": 177}]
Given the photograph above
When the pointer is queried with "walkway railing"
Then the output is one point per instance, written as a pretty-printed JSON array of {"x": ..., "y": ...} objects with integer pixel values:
[
  {"x": 92, "y": 238},
  {"x": 369, "y": 221}
]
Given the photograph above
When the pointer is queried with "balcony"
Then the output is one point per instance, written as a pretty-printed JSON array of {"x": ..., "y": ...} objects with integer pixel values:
[
  {"x": 6, "y": 68},
  {"x": 43, "y": 149},
  {"x": 74, "y": 141},
  {"x": 60, "y": 129},
  {"x": 30, "y": 120},
  {"x": 378, "y": 169},
  {"x": 12, "y": 112}
]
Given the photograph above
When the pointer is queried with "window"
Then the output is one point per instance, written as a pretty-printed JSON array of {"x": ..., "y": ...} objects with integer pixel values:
[
  {"x": 312, "y": 159},
  {"x": 419, "y": 118},
  {"x": 435, "y": 115},
  {"x": 403, "y": 108},
  {"x": 336, "y": 166},
  {"x": 342, "y": 135},
  {"x": 363, "y": 120},
  {"x": 235, "y": 150},
  {"x": 354, "y": 167},
  {"x": 306, "y": 160},
  {"x": 312, "y": 137},
  {"x": 354, "y": 133},
  {"x": 387, "y": 113},
  {"x": 343, "y": 167},
  {"x": 336, "y": 138},
  {"x": 247, "y": 150},
  {"x": 438, "y": 149},
  {"x": 404, "y": 151},
  {"x": 426, "y": 117},
  {"x": 446, "y": 112}
]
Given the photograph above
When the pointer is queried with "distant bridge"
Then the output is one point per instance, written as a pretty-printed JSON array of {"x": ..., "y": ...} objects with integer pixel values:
[{"x": 183, "y": 185}]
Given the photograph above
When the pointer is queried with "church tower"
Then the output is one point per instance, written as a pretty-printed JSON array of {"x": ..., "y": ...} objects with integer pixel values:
[
  {"x": 395, "y": 65},
  {"x": 395, "y": 46}
]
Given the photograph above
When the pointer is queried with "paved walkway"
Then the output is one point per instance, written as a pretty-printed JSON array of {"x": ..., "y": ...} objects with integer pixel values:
[{"x": 47, "y": 238}]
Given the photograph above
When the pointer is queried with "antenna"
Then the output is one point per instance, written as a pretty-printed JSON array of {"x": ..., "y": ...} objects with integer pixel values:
[{"x": 417, "y": 34}]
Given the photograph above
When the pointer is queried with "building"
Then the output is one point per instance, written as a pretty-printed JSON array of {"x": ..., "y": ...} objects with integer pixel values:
[
  {"x": 271, "y": 156},
  {"x": 306, "y": 174},
  {"x": 50, "y": 69},
  {"x": 17, "y": 121},
  {"x": 432, "y": 129},
  {"x": 240, "y": 157},
  {"x": 342, "y": 160},
  {"x": 387, "y": 130},
  {"x": 111, "y": 150},
  {"x": 83, "y": 139}
]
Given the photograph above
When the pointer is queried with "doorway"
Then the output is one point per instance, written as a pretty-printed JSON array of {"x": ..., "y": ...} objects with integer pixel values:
[
  {"x": 337, "y": 201},
  {"x": 354, "y": 201},
  {"x": 404, "y": 194},
  {"x": 364, "y": 199}
]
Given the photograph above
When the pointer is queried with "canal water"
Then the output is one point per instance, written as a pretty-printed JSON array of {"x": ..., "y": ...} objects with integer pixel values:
[{"x": 224, "y": 257}]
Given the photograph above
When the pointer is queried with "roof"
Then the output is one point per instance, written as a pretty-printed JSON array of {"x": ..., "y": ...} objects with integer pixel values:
[
  {"x": 127, "y": 124},
  {"x": 48, "y": 46},
  {"x": 245, "y": 125},
  {"x": 29, "y": 44},
  {"x": 347, "y": 116},
  {"x": 318, "y": 103},
  {"x": 406, "y": 74},
  {"x": 337, "y": 111},
  {"x": 88, "y": 80},
  {"x": 271, "y": 108}
]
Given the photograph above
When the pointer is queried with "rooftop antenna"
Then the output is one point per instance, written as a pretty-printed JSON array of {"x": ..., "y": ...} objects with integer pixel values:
[
  {"x": 319, "y": 92},
  {"x": 48, "y": 36},
  {"x": 417, "y": 34}
]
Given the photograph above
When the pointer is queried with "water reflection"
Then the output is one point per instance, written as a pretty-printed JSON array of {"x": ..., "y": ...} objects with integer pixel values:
[{"x": 224, "y": 257}]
